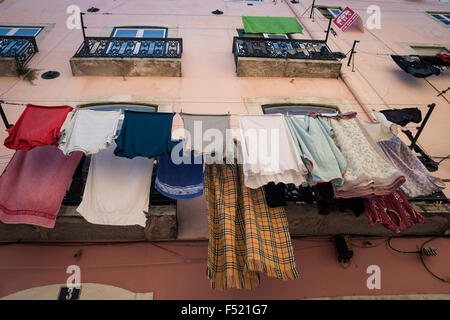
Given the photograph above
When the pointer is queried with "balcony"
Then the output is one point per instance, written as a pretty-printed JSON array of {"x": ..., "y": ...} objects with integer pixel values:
[
  {"x": 103, "y": 56},
  {"x": 15, "y": 52},
  {"x": 262, "y": 57}
]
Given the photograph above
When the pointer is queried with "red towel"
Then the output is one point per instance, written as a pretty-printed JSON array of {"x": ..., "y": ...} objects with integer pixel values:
[
  {"x": 393, "y": 211},
  {"x": 37, "y": 126},
  {"x": 33, "y": 185}
]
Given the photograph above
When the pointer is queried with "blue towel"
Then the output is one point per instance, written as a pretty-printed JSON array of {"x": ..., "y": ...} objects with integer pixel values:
[
  {"x": 145, "y": 134},
  {"x": 180, "y": 181}
]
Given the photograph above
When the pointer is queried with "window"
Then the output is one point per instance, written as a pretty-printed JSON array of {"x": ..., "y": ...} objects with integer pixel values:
[
  {"x": 15, "y": 47},
  {"x": 20, "y": 31},
  {"x": 134, "y": 32},
  {"x": 443, "y": 17},
  {"x": 242, "y": 33},
  {"x": 297, "y": 109},
  {"x": 139, "y": 32},
  {"x": 328, "y": 11},
  {"x": 425, "y": 50}
]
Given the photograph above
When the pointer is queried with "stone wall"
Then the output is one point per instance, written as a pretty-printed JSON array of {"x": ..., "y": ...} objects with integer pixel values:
[
  {"x": 70, "y": 225},
  {"x": 126, "y": 67},
  {"x": 305, "y": 220},
  {"x": 8, "y": 67},
  {"x": 162, "y": 224},
  {"x": 288, "y": 68}
]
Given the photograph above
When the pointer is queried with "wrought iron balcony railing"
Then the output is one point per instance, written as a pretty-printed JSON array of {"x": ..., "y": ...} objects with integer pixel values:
[
  {"x": 20, "y": 48},
  {"x": 281, "y": 48},
  {"x": 104, "y": 47}
]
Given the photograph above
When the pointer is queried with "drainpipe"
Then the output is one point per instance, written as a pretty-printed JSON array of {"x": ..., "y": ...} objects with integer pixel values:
[{"x": 357, "y": 86}]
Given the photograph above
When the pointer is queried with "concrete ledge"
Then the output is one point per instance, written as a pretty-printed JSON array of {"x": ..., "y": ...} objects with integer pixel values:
[
  {"x": 288, "y": 68},
  {"x": 124, "y": 67},
  {"x": 162, "y": 224},
  {"x": 8, "y": 67},
  {"x": 305, "y": 220},
  {"x": 70, "y": 225}
]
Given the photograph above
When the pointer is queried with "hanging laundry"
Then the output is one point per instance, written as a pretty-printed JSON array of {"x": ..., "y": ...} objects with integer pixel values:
[
  {"x": 33, "y": 185},
  {"x": 419, "y": 181},
  {"x": 321, "y": 156},
  {"x": 117, "y": 190},
  {"x": 356, "y": 205},
  {"x": 393, "y": 211},
  {"x": 37, "y": 126},
  {"x": 369, "y": 172},
  {"x": 246, "y": 236},
  {"x": 300, "y": 193},
  {"x": 444, "y": 57},
  {"x": 403, "y": 116},
  {"x": 269, "y": 152},
  {"x": 277, "y": 194},
  {"x": 274, "y": 194},
  {"x": 145, "y": 134},
  {"x": 326, "y": 202},
  {"x": 324, "y": 193},
  {"x": 208, "y": 135},
  {"x": 182, "y": 179},
  {"x": 89, "y": 131},
  {"x": 382, "y": 130},
  {"x": 416, "y": 65}
]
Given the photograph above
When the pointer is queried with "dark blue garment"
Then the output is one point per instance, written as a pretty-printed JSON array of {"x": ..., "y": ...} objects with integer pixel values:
[
  {"x": 145, "y": 134},
  {"x": 181, "y": 180}
]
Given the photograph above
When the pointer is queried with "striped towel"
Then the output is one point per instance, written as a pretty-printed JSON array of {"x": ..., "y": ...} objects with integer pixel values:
[{"x": 246, "y": 236}]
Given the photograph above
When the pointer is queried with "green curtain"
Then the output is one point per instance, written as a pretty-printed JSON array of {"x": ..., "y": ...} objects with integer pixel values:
[{"x": 271, "y": 25}]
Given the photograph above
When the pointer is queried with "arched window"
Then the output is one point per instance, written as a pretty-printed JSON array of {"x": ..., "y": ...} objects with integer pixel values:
[
  {"x": 120, "y": 106},
  {"x": 297, "y": 109}
]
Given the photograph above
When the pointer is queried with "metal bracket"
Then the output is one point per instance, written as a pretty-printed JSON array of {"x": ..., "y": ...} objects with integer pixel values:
[{"x": 3, "y": 115}]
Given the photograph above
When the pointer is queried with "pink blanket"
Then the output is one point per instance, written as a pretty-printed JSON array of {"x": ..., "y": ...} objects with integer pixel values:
[{"x": 33, "y": 185}]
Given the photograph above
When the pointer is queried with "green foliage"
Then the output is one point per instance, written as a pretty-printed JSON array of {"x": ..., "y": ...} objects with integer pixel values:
[{"x": 26, "y": 73}]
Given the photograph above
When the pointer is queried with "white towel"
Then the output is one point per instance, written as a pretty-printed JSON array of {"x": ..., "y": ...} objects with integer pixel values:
[
  {"x": 271, "y": 155},
  {"x": 207, "y": 134},
  {"x": 89, "y": 131},
  {"x": 117, "y": 190}
]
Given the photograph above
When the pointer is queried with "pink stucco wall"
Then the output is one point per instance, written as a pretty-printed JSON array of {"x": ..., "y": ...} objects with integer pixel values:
[
  {"x": 209, "y": 85},
  {"x": 178, "y": 270}
]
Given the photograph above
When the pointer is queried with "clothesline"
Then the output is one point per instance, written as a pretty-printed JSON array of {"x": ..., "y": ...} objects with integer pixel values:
[
  {"x": 418, "y": 105},
  {"x": 237, "y": 114}
]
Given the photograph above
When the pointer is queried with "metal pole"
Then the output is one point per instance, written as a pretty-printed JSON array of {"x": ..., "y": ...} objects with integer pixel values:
[
  {"x": 82, "y": 25},
  {"x": 5, "y": 120},
  {"x": 352, "y": 52},
  {"x": 312, "y": 9},
  {"x": 422, "y": 125},
  {"x": 328, "y": 30}
]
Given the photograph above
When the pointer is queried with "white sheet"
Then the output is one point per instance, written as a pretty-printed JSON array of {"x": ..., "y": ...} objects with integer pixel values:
[
  {"x": 117, "y": 190},
  {"x": 286, "y": 165}
]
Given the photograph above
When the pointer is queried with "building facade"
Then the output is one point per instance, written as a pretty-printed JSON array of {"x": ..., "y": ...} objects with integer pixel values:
[{"x": 200, "y": 62}]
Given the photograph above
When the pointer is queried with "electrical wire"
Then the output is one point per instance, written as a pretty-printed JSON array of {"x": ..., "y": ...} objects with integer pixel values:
[
  {"x": 425, "y": 265},
  {"x": 400, "y": 251},
  {"x": 421, "y": 254}
]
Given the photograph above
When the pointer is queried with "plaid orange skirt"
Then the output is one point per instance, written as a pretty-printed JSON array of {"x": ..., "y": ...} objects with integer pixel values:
[{"x": 245, "y": 235}]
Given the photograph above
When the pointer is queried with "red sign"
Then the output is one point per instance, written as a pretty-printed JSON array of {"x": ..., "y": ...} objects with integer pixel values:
[{"x": 345, "y": 18}]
